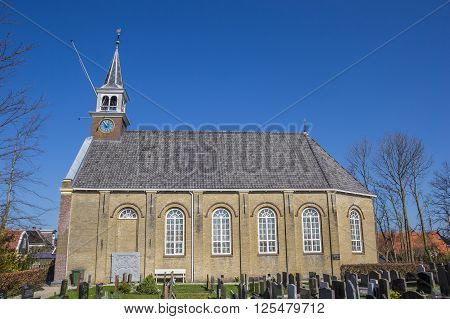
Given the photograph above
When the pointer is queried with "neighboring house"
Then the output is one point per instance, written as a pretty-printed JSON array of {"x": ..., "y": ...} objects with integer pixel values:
[
  {"x": 42, "y": 240},
  {"x": 207, "y": 202},
  {"x": 18, "y": 240},
  {"x": 435, "y": 242}
]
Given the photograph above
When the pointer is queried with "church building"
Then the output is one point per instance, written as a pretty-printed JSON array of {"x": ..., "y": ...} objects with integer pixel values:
[{"x": 204, "y": 203}]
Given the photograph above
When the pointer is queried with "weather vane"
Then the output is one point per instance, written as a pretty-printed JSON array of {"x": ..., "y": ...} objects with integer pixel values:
[{"x": 118, "y": 31}]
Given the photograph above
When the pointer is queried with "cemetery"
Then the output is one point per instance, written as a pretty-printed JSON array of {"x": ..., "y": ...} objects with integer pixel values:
[{"x": 426, "y": 282}]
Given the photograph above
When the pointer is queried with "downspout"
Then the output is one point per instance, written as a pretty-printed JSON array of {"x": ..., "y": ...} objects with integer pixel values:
[
  {"x": 288, "y": 210},
  {"x": 192, "y": 236},
  {"x": 329, "y": 232}
]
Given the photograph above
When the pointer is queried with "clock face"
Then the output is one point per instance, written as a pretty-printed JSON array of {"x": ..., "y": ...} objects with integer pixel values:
[{"x": 106, "y": 126}]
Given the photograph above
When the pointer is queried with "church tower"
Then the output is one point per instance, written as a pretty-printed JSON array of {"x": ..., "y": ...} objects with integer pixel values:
[{"x": 109, "y": 119}]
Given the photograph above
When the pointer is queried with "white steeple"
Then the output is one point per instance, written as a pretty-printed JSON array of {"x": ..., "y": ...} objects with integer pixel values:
[{"x": 111, "y": 96}]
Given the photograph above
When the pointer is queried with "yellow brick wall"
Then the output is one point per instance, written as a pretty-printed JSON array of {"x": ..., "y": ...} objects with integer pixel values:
[{"x": 95, "y": 232}]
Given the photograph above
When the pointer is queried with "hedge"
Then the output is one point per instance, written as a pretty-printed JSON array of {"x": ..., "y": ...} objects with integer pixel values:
[
  {"x": 13, "y": 281},
  {"x": 359, "y": 269}
]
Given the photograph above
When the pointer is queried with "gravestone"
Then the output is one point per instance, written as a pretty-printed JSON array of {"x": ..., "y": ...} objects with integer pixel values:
[
  {"x": 399, "y": 285},
  {"x": 252, "y": 287},
  {"x": 383, "y": 289},
  {"x": 98, "y": 291},
  {"x": 292, "y": 291},
  {"x": 63, "y": 290},
  {"x": 425, "y": 282},
  {"x": 350, "y": 290},
  {"x": 232, "y": 295},
  {"x": 284, "y": 278},
  {"x": 291, "y": 279},
  {"x": 268, "y": 292},
  {"x": 116, "y": 283},
  {"x": 211, "y": 285},
  {"x": 207, "y": 282},
  {"x": 130, "y": 278},
  {"x": 386, "y": 275},
  {"x": 374, "y": 275},
  {"x": 89, "y": 279},
  {"x": 412, "y": 295},
  {"x": 277, "y": 291},
  {"x": 421, "y": 268},
  {"x": 223, "y": 290},
  {"x": 339, "y": 288},
  {"x": 326, "y": 293},
  {"x": 313, "y": 286},
  {"x": 218, "y": 289},
  {"x": 247, "y": 286},
  {"x": 323, "y": 284},
  {"x": 394, "y": 275},
  {"x": 242, "y": 278},
  {"x": 124, "y": 277},
  {"x": 410, "y": 277},
  {"x": 279, "y": 279},
  {"x": 327, "y": 278},
  {"x": 364, "y": 280},
  {"x": 353, "y": 278},
  {"x": 311, "y": 274},
  {"x": 83, "y": 290},
  {"x": 318, "y": 280},
  {"x": 27, "y": 292},
  {"x": 298, "y": 281},
  {"x": 443, "y": 280},
  {"x": 372, "y": 288},
  {"x": 333, "y": 278},
  {"x": 3, "y": 294},
  {"x": 262, "y": 286},
  {"x": 304, "y": 293}
]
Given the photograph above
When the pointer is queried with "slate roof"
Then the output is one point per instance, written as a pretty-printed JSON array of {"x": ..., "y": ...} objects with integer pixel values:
[{"x": 186, "y": 160}]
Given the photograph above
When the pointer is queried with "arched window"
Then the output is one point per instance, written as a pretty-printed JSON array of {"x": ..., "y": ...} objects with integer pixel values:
[
  {"x": 175, "y": 232},
  {"x": 311, "y": 231},
  {"x": 221, "y": 234},
  {"x": 267, "y": 231},
  {"x": 113, "y": 101},
  {"x": 355, "y": 231},
  {"x": 105, "y": 100},
  {"x": 128, "y": 213}
]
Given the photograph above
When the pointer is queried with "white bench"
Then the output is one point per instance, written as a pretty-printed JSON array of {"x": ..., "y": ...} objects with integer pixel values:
[{"x": 177, "y": 273}]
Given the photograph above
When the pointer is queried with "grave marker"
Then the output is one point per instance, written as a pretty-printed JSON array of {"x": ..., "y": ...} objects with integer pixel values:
[
  {"x": 383, "y": 289},
  {"x": 399, "y": 285},
  {"x": 443, "y": 280},
  {"x": 425, "y": 282},
  {"x": 63, "y": 290},
  {"x": 292, "y": 291},
  {"x": 327, "y": 278},
  {"x": 339, "y": 288},
  {"x": 304, "y": 293},
  {"x": 98, "y": 291},
  {"x": 326, "y": 293},
  {"x": 313, "y": 286},
  {"x": 284, "y": 279},
  {"x": 364, "y": 280},
  {"x": 394, "y": 275},
  {"x": 291, "y": 279},
  {"x": 374, "y": 275},
  {"x": 350, "y": 290},
  {"x": 27, "y": 292},
  {"x": 83, "y": 290}
]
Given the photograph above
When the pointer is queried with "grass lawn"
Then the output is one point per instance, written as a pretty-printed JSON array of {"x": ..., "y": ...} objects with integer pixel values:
[{"x": 182, "y": 291}]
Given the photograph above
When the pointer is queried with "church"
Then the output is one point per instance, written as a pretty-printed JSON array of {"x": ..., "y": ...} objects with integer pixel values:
[{"x": 204, "y": 203}]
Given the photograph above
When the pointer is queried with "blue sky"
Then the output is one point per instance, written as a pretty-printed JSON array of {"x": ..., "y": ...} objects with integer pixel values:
[{"x": 243, "y": 62}]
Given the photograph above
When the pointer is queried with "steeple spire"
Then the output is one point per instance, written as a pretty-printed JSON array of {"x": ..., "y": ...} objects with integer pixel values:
[{"x": 114, "y": 77}]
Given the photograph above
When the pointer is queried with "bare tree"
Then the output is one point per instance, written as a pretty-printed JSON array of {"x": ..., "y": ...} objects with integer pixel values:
[
  {"x": 359, "y": 159},
  {"x": 420, "y": 165},
  {"x": 20, "y": 123},
  {"x": 393, "y": 165},
  {"x": 440, "y": 199}
]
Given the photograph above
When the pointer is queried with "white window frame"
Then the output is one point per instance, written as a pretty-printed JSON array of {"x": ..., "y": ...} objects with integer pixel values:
[
  {"x": 356, "y": 231},
  {"x": 128, "y": 214},
  {"x": 265, "y": 220},
  {"x": 223, "y": 220},
  {"x": 312, "y": 236},
  {"x": 176, "y": 238}
]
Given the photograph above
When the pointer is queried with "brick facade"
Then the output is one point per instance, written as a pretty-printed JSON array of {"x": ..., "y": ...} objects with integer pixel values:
[{"x": 95, "y": 232}]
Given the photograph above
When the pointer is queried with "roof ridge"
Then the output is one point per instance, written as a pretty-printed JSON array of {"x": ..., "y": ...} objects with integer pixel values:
[{"x": 317, "y": 160}]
